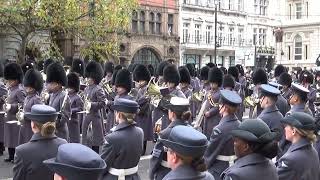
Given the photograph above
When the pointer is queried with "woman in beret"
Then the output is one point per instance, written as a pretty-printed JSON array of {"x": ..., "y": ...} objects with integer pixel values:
[{"x": 254, "y": 145}]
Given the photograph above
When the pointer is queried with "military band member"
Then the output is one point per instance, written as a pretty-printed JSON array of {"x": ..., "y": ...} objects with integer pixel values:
[
  {"x": 278, "y": 71},
  {"x": 144, "y": 116},
  {"x": 254, "y": 145},
  {"x": 211, "y": 115},
  {"x": 301, "y": 161},
  {"x": 78, "y": 67},
  {"x": 242, "y": 78},
  {"x": 185, "y": 147},
  {"x": 270, "y": 113},
  {"x": 233, "y": 70},
  {"x": 196, "y": 88},
  {"x": 123, "y": 147},
  {"x": 178, "y": 114},
  {"x": 228, "y": 82},
  {"x": 160, "y": 69},
  {"x": 282, "y": 103},
  {"x": 46, "y": 64},
  {"x": 43, "y": 145},
  {"x": 3, "y": 95},
  {"x": 94, "y": 101},
  {"x": 76, "y": 106},
  {"x": 185, "y": 81},
  {"x": 285, "y": 80},
  {"x": 33, "y": 85},
  {"x": 26, "y": 66},
  {"x": 56, "y": 80},
  {"x": 307, "y": 81},
  {"x": 151, "y": 70},
  {"x": 220, "y": 153},
  {"x": 16, "y": 95},
  {"x": 76, "y": 162},
  {"x": 108, "y": 71},
  {"x": 204, "y": 72}
]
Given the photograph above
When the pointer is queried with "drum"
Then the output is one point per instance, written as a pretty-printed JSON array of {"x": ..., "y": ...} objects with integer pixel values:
[{"x": 11, "y": 134}]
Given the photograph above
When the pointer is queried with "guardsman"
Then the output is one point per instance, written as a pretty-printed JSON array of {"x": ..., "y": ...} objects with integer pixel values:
[
  {"x": 307, "y": 82},
  {"x": 46, "y": 64},
  {"x": 123, "y": 147},
  {"x": 242, "y": 78},
  {"x": 94, "y": 101},
  {"x": 196, "y": 88},
  {"x": 220, "y": 152},
  {"x": 108, "y": 71},
  {"x": 185, "y": 147},
  {"x": 234, "y": 71},
  {"x": 16, "y": 95},
  {"x": 59, "y": 99},
  {"x": 76, "y": 106},
  {"x": 33, "y": 85},
  {"x": 270, "y": 113},
  {"x": 254, "y": 145},
  {"x": 185, "y": 81},
  {"x": 211, "y": 113},
  {"x": 285, "y": 80},
  {"x": 144, "y": 116},
  {"x": 160, "y": 69},
  {"x": 76, "y": 162},
  {"x": 178, "y": 114},
  {"x": 204, "y": 72},
  {"x": 301, "y": 161},
  {"x": 78, "y": 67},
  {"x": 26, "y": 66},
  {"x": 278, "y": 71},
  {"x": 3, "y": 95},
  {"x": 43, "y": 145},
  {"x": 282, "y": 103},
  {"x": 228, "y": 82}
]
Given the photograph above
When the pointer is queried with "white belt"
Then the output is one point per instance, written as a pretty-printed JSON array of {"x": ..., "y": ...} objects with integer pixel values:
[
  {"x": 165, "y": 164},
  {"x": 122, "y": 173},
  {"x": 229, "y": 159}
]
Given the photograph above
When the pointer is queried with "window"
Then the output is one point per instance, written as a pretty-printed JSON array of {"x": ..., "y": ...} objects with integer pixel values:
[
  {"x": 306, "y": 51},
  {"x": 142, "y": 22},
  {"x": 231, "y": 5},
  {"x": 185, "y": 33},
  {"x": 230, "y": 36},
  {"x": 298, "y": 48},
  {"x": 221, "y": 35},
  {"x": 290, "y": 10},
  {"x": 255, "y": 35},
  {"x": 197, "y": 33},
  {"x": 264, "y": 37},
  {"x": 170, "y": 24},
  {"x": 134, "y": 22},
  {"x": 307, "y": 9},
  {"x": 158, "y": 24},
  {"x": 289, "y": 52},
  {"x": 260, "y": 7},
  {"x": 208, "y": 35},
  {"x": 240, "y": 37},
  {"x": 240, "y": 5},
  {"x": 151, "y": 23},
  {"x": 298, "y": 10}
]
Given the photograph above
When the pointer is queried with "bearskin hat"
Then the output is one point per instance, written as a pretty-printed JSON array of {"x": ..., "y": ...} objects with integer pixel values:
[
  {"x": 46, "y": 64},
  {"x": 215, "y": 76},
  {"x": 94, "y": 70},
  {"x": 151, "y": 69},
  {"x": 228, "y": 81},
  {"x": 141, "y": 73},
  {"x": 131, "y": 67},
  {"x": 285, "y": 79},
  {"x": 233, "y": 71},
  {"x": 240, "y": 68},
  {"x": 26, "y": 66},
  {"x": 204, "y": 72},
  {"x": 161, "y": 67},
  {"x": 171, "y": 74},
  {"x": 259, "y": 76},
  {"x": 108, "y": 68},
  {"x": 33, "y": 78},
  {"x": 124, "y": 79},
  {"x": 12, "y": 71},
  {"x": 279, "y": 70},
  {"x": 118, "y": 67},
  {"x": 74, "y": 81},
  {"x": 78, "y": 67},
  {"x": 56, "y": 73},
  {"x": 184, "y": 75},
  {"x": 306, "y": 76},
  {"x": 192, "y": 69},
  {"x": 224, "y": 70},
  {"x": 114, "y": 75},
  {"x": 211, "y": 65},
  {"x": 40, "y": 65}
]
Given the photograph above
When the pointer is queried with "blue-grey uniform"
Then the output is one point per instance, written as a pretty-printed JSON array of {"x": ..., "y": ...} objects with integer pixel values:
[
  {"x": 312, "y": 96},
  {"x": 3, "y": 94},
  {"x": 187, "y": 92},
  {"x": 196, "y": 87},
  {"x": 214, "y": 117},
  {"x": 301, "y": 161},
  {"x": 287, "y": 94},
  {"x": 240, "y": 90},
  {"x": 188, "y": 142},
  {"x": 282, "y": 103},
  {"x": 74, "y": 123},
  {"x": 29, "y": 156},
  {"x": 123, "y": 147},
  {"x": 220, "y": 153}
]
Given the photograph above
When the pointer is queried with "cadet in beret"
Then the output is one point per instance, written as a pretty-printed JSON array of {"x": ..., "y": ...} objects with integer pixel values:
[
  {"x": 43, "y": 145},
  {"x": 307, "y": 82},
  {"x": 3, "y": 94},
  {"x": 282, "y": 103},
  {"x": 76, "y": 162},
  {"x": 285, "y": 80},
  {"x": 301, "y": 161},
  {"x": 56, "y": 79},
  {"x": 299, "y": 98},
  {"x": 270, "y": 113},
  {"x": 33, "y": 85},
  {"x": 220, "y": 153},
  {"x": 178, "y": 114},
  {"x": 14, "y": 76},
  {"x": 124, "y": 146},
  {"x": 185, "y": 147},
  {"x": 254, "y": 145}
]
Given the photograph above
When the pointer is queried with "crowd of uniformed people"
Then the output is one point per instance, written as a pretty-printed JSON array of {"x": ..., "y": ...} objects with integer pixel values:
[{"x": 93, "y": 121}]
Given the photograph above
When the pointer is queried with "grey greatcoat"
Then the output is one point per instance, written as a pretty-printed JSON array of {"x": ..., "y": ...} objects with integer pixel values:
[
  {"x": 214, "y": 117},
  {"x": 158, "y": 171},
  {"x": 74, "y": 123},
  {"x": 26, "y": 133},
  {"x": 122, "y": 149},
  {"x": 312, "y": 96},
  {"x": 283, "y": 105},
  {"x": 29, "y": 157},
  {"x": 144, "y": 116},
  {"x": 55, "y": 101},
  {"x": 194, "y": 105},
  {"x": 187, "y": 172},
  {"x": 300, "y": 162},
  {"x": 221, "y": 143},
  {"x": 16, "y": 96},
  {"x": 287, "y": 94},
  {"x": 3, "y": 94},
  {"x": 272, "y": 116},
  {"x": 97, "y": 98},
  {"x": 251, "y": 167}
]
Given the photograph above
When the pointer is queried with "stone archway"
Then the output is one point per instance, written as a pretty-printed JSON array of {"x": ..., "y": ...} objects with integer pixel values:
[{"x": 146, "y": 56}]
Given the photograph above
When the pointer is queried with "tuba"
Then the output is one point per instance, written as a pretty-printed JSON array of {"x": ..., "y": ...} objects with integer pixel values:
[{"x": 20, "y": 113}]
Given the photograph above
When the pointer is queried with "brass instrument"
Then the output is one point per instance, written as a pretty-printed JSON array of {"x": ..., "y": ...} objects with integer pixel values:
[
  {"x": 212, "y": 102},
  {"x": 20, "y": 113},
  {"x": 44, "y": 96},
  {"x": 198, "y": 96},
  {"x": 106, "y": 86},
  {"x": 251, "y": 101},
  {"x": 153, "y": 91},
  {"x": 157, "y": 126},
  {"x": 86, "y": 105}
]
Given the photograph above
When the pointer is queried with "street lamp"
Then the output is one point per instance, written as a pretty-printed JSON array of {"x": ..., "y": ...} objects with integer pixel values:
[{"x": 215, "y": 29}]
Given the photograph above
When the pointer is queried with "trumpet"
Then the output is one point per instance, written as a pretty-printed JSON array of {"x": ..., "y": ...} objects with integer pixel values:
[{"x": 20, "y": 113}]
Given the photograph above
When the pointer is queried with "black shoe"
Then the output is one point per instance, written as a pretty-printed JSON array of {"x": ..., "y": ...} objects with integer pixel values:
[{"x": 8, "y": 159}]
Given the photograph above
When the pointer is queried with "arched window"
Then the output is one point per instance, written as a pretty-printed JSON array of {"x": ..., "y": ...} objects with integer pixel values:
[
  {"x": 142, "y": 22},
  {"x": 151, "y": 23},
  {"x": 134, "y": 22},
  {"x": 298, "y": 48},
  {"x": 158, "y": 24}
]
